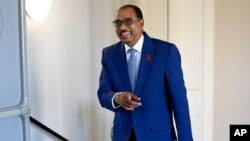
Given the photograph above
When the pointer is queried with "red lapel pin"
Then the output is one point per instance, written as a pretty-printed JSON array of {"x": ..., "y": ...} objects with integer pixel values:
[{"x": 148, "y": 58}]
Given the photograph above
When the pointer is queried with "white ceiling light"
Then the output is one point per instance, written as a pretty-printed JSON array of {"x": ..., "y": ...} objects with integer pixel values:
[{"x": 38, "y": 9}]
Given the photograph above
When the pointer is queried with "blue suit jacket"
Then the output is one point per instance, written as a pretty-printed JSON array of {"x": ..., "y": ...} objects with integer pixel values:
[{"x": 160, "y": 86}]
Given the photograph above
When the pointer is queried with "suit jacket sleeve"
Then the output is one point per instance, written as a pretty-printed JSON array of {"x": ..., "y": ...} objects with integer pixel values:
[
  {"x": 105, "y": 91},
  {"x": 178, "y": 96}
]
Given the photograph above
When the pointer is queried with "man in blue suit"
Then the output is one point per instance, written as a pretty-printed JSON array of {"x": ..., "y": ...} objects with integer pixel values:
[{"x": 142, "y": 83}]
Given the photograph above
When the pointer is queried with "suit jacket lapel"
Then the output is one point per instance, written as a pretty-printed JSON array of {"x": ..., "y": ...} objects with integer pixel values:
[
  {"x": 147, "y": 57},
  {"x": 121, "y": 63}
]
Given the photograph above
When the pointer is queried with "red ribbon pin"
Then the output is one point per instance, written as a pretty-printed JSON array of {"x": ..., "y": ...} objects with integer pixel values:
[{"x": 148, "y": 58}]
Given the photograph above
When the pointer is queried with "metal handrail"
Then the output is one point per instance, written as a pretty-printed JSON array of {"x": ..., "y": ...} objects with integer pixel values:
[{"x": 47, "y": 129}]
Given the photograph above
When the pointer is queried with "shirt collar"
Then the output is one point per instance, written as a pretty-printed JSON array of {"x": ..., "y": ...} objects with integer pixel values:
[{"x": 137, "y": 46}]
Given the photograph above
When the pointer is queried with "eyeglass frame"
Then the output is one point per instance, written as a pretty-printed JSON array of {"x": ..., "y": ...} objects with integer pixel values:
[{"x": 124, "y": 22}]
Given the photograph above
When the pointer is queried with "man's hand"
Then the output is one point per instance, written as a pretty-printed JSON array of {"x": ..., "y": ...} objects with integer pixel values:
[{"x": 128, "y": 100}]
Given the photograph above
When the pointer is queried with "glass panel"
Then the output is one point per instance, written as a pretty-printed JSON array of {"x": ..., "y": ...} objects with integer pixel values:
[
  {"x": 11, "y": 129},
  {"x": 10, "y": 79}
]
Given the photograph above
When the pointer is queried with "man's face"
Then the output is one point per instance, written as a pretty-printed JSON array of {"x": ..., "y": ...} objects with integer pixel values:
[{"x": 131, "y": 29}]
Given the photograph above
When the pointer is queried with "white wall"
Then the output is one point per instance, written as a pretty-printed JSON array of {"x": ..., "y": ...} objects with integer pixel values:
[
  {"x": 186, "y": 31},
  {"x": 59, "y": 70},
  {"x": 232, "y": 66}
]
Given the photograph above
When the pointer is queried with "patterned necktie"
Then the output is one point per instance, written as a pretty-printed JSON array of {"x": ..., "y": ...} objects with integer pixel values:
[{"x": 132, "y": 67}]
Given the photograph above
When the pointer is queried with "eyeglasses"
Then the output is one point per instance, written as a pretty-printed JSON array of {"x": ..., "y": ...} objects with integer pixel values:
[{"x": 126, "y": 22}]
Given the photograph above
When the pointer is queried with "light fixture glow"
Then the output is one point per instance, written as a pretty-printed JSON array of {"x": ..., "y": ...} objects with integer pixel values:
[{"x": 38, "y": 9}]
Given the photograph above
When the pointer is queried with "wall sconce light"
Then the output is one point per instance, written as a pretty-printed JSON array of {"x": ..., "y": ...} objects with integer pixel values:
[{"x": 38, "y": 9}]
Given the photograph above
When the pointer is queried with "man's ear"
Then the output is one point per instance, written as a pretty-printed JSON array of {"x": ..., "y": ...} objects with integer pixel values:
[{"x": 142, "y": 23}]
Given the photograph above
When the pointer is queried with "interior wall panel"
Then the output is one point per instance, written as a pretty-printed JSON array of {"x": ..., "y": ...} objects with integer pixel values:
[{"x": 186, "y": 31}]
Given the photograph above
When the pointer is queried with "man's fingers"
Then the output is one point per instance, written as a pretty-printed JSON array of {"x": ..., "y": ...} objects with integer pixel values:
[
  {"x": 130, "y": 105},
  {"x": 129, "y": 101},
  {"x": 132, "y": 102},
  {"x": 129, "y": 109},
  {"x": 134, "y": 97}
]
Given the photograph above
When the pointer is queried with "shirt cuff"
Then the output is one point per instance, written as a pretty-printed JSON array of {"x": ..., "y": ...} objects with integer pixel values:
[{"x": 115, "y": 106}]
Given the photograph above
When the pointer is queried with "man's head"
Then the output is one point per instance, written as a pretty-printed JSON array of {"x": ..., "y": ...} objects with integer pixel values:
[{"x": 129, "y": 24}]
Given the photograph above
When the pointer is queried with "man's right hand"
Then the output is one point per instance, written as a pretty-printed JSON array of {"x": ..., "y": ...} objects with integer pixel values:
[{"x": 128, "y": 100}]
